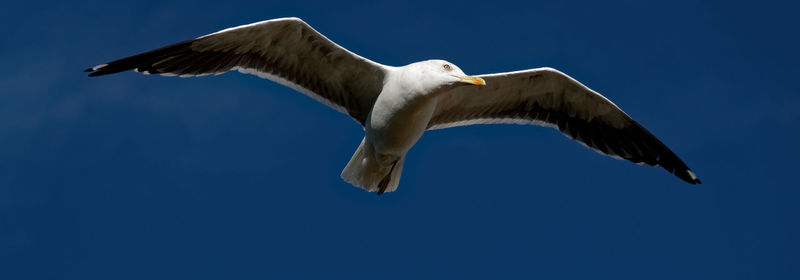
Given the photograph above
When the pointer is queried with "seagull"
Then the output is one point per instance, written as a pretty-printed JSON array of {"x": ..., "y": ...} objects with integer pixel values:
[{"x": 396, "y": 105}]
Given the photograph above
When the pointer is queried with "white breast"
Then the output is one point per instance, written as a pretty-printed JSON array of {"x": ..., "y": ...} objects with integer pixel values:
[{"x": 399, "y": 117}]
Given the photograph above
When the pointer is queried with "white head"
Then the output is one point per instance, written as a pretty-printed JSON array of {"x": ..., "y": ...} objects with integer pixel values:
[{"x": 431, "y": 76}]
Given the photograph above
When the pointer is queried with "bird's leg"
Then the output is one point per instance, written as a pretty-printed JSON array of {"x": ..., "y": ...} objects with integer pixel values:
[{"x": 385, "y": 181}]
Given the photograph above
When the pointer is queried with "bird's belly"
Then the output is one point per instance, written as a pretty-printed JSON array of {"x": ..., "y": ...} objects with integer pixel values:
[{"x": 394, "y": 130}]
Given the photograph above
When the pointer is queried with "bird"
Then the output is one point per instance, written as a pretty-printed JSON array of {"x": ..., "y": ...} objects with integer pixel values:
[{"x": 395, "y": 105}]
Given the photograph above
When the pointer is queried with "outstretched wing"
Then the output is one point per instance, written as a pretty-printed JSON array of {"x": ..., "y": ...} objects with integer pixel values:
[
  {"x": 286, "y": 50},
  {"x": 547, "y": 97}
]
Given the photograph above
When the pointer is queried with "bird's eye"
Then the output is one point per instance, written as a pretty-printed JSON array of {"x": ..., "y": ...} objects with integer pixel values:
[{"x": 447, "y": 67}]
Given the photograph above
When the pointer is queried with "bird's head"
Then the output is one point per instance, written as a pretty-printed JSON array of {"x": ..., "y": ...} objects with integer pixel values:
[{"x": 437, "y": 75}]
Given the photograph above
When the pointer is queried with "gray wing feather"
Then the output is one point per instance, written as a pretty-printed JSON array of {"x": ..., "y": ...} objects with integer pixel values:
[
  {"x": 547, "y": 97},
  {"x": 287, "y": 51}
]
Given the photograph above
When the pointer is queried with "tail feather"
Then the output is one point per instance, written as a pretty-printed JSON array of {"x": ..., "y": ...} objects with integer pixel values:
[{"x": 365, "y": 172}]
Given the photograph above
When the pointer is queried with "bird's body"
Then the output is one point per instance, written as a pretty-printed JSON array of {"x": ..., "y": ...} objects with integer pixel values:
[
  {"x": 396, "y": 105},
  {"x": 398, "y": 119}
]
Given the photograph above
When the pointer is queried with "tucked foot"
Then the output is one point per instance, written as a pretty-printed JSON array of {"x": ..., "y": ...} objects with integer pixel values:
[{"x": 385, "y": 181}]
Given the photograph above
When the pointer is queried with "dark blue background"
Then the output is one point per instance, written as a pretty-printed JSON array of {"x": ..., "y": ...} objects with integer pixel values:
[{"x": 234, "y": 177}]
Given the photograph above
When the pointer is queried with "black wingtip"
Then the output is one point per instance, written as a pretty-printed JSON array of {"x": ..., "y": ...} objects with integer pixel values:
[
  {"x": 96, "y": 71},
  {"x": 694, "y": 182},
  {"x": 102, "y": 69},
  {"x": 688, "y": 176}
]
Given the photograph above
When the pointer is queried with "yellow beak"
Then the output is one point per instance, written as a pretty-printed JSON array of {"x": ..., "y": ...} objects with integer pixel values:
[{"x": 478, "y": 81}]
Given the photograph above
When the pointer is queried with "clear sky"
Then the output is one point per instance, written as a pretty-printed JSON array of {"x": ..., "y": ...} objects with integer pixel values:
[{"x": 234, "y": 177}]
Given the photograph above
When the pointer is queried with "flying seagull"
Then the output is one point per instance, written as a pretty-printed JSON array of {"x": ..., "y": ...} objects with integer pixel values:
[{"x": 396, "y": 105}]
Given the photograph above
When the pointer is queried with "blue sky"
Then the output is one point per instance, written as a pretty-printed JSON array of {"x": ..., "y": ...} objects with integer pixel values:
[{"x": 143, "y": 177}]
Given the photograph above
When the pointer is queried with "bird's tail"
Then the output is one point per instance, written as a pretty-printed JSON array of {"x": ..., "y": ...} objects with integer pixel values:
[{"x": 365, "y": 172}]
